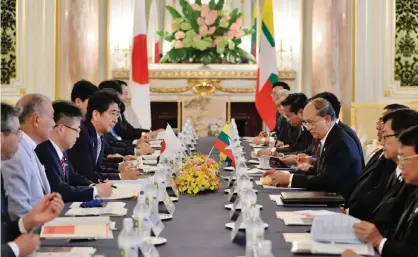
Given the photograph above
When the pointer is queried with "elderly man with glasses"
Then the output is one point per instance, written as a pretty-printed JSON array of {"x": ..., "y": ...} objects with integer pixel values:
[{"x": 339, "y": 163}]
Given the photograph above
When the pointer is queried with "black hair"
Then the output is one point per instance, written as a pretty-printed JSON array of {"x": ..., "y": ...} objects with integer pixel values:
[
  {"x": 395, "y": 107},
  {"x": 281, "y": 84},
  {"x": 332, "y": 99},
  {"x": 297, "y": 101},
  {"x": 65, "y": 109},
  {"x": 122, "y": 82},
  {"x": 8, "y": 112},
  {"x": 409, "y": 137},
  {"x": 83, "y": 89},
  {"x": 113, "y": 84},
  {"x": 401, "y": 120},
  {"x": 100, "y": 101}
]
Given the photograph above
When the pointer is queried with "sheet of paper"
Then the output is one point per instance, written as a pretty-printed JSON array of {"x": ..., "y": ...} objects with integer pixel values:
[
  {"x": 64, "y": 252},
  {"x": 275, "y": 197},
  {"x": 111, "y": 204},
  {"x": 313, "y": 213},
  {"x": 150, "y": 162},
  {"x": 153, "y": 156},
  {"x": 291, "y": 237},
  {"x": 258, "y": 182},
  {"x": 108, "y": 210},
  {"x": 255, "y": 171},
  {"x": 124, "y": 191},
  {"x": 335, "y": 228},
  {"x": 256, "y": 145},
  {"x": 320, "y": 248},
  {"x": 85, "y": 227},
  {"x": 254, "y": 161}
]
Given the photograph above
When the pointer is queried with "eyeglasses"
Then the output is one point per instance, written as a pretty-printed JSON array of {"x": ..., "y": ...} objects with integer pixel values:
[
  {"x": 402, "y": 159},
  {"x": 379, "y": 122},
  {"x": 307, "y": 124},
  {"x": 386, "y": 136},
  {"x": 75, "y": 129}
]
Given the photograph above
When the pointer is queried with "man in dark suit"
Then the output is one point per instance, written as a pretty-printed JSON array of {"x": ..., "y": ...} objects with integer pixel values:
[
  {"x": 390, "y": 206},
  {"x": 369, "y": 188},
  {"x": 339, "y": 164},
  {"x": 52, "y": 153},
  {"x": 298, "y": 138},
  {"x": 402, "y": 242},
  {"x": 87, "y": 154},
  {"x": 16, "y": 239},
  {"x": 81, "y": 92},
  {"x": 123, "y": 128}
]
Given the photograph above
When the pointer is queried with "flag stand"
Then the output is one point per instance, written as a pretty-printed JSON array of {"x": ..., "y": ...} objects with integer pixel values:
[{"x": 210, "y": 152}]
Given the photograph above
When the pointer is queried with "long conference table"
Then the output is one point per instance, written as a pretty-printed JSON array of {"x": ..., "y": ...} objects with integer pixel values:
[{"x": 198, "y": 227}]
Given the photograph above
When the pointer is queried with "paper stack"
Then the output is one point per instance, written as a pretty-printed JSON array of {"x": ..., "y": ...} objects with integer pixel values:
[
  {"x": 155, "y": 143},
  {"x": 77, "y": 228},
  {"x": 332, "y": 234},
  {"x": 64, "y": 252},
  {"x": 302, "y": 218},
  {"x": 153, "y": 156},
  {"x": 111, "y": 209},
  {"x": 124, "y": 191}
]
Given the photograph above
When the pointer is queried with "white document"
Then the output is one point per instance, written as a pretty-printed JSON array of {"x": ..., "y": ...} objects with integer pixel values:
[
  {"x": 124, "y": 191},
  {"x": 291, "y": 237},
  {"x": 77, "y": 228},
  {"x": 255, "y": 171},
  {"x": 275, "y": 197},
  {"x": 75, "y": 205},
  {"x": 274, "y": 187},
  {"x": 254, "y": 161},
  {"x": 321, "y": 248},
  {"x": 111, "y": 209},
  {"x": 150, "y": 162},
  {"x": 335, "y": 228},
  {"x": 64, "y": 252}
]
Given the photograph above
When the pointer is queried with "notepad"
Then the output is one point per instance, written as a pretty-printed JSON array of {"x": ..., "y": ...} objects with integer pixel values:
[
  {"x": 153, "y": 156},
  {"x": 77, "y": 228},
  {"x": 64, "y": 252},
  {"x": 291, "y": 237},
  {"x": 309, "y": 246},
  {"x": 124, "y": 191},
  {"x": 258, "y": 182},
  {"x": 111, "y": 209}
]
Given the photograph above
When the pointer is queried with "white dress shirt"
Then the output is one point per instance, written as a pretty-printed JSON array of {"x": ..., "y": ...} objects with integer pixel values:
[
  {"x": 61, "y": 155},
  {"x": 13, "y": 245},
  {"x": 323, "y": 140}
]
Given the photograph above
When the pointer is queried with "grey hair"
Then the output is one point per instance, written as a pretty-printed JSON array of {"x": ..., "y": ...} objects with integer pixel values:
[
  {"x": 324, "y": 108},
  {"x": 8, "y": 112},
  {"x": 281, "y": 93},
  {"x": 30, "y": 104}
]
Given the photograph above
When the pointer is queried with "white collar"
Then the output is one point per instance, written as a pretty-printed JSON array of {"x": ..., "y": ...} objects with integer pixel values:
[
  {"x": 97, "y": 135},
  {"x": 32, "y": 144},
  {"x": 398, "y": 173},
  {"x": 57, "y": 149},
  {"x": 337, "y": 121},
  {"x": 325, "y": 138}
]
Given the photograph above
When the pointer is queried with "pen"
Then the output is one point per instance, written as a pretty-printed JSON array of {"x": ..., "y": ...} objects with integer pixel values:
[
  {"x": 114, "y": 186},
  {"x": 101, "y": 181}
]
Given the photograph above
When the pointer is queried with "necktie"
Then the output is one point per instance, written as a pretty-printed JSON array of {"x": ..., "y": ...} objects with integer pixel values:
[
  {"x": 319, "y": 150},
  {"x": 63, "y": 164},
  {"x": 99, "y": 148}
]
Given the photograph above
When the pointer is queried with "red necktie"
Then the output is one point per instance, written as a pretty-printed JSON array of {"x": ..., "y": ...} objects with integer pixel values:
[{"x": 63, "y": 164}]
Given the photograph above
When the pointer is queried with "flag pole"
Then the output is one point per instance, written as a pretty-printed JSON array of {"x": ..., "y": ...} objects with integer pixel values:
[{"x": 209, "y": 154}]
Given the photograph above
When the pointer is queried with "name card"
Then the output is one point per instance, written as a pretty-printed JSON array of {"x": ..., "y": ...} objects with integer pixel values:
[
  {"x": 147, "y": 249},
  {"x": 234, "y": 207},
  {"x": 235, "y": 229},
  {"x": 168, "y": 203},
  {"x": 156, "y": 224}
]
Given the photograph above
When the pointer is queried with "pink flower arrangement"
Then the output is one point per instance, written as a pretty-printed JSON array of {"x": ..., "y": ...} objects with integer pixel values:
[
  {"x": 179, "y": 35},
  {"x": 178, "y": 44}
]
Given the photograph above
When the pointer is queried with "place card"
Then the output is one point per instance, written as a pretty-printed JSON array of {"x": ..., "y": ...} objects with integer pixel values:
[
  {"x": 147, "y": 249},
  {"x": 169, "y": 205},
  {"x": 236, "y": 227},
  {"x": 234, "y": 207},
  {"x": 156, "y": 224}
]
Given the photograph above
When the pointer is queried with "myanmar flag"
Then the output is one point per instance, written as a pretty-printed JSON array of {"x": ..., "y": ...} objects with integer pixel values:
[
  {"x": 267, "y": 69},
  {"x": 223, "y": 144}
]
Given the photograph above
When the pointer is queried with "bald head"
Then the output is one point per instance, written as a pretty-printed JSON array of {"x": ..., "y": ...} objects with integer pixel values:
[{"x": 36, "y": 118}]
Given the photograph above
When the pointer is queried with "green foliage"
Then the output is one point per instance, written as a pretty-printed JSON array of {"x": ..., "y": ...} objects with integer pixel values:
[{"x": 202, "y": 49}]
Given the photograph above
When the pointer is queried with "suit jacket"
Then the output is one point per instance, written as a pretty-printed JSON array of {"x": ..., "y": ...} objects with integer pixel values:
[
  {"x": 25, "y": 180},
  {"x": 369, "y": 189},
  {"x": 355, "y": 138},
  {"x": 112, "y": 146},
  {"x": 72, "y": 186},
  {"x": 283, "y": 130},
  {"x": 403, "y": 242},
  {"x": 338, "y": 167},
  {"x": 299, "y": 140},
  {"x": 125, "y": 130},
  {"x": 83, "y": 156},
  {"x": 9, "y": 229},
  {"x": 386, "y": 214}
]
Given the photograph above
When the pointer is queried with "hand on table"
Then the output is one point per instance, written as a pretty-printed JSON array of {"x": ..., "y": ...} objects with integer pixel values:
[
  {"x": 279, "y": 143},
  {"x": 129, "y": 173},
  {"x": 123, "y": 165},
  {"x": 304, "y": 167},
  {"x": 104, "y": 189},
  {"x": 288, "y": 160},
  {"x": 264, "y": 152},
  {"x": 45, "y": 210},
  {"x": 349, "y": 253},
  {"x": 258, "y": 140},
  {"x": 368, "y": 233},
  {"x": 116, "y": 155},
  {"x": 144, "y": 138},
  {"x": 129, "y": 158},
  {"x": 144, "y": 151},
  {"x": 27, "y": 244},
  {"x": 280, "y": 179},
  {"x": 263, "y": 134},
  {"x": 304, "y": 158}
]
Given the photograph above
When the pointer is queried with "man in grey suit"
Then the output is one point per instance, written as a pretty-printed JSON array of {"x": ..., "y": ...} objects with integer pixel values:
[{"x": 25, "y": 181}]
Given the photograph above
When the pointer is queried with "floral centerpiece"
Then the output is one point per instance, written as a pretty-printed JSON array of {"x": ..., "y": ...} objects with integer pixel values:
[
  {"x": 198, "y": 174},
  {"x": 205, "y": 33}
]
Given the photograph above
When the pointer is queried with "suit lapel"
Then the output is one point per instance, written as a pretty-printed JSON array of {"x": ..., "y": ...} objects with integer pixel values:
[
  {"x": 396, "y": 187},
  {"x": 57, "y": 160},
  {"x": 406, "y": 219}
]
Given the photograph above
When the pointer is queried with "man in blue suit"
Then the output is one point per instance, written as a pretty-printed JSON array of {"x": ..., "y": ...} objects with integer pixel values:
[
  {"x": 52, "y": 153},
  {"x": 24, "y": 177},
  {"x": 86, "y": 155}
]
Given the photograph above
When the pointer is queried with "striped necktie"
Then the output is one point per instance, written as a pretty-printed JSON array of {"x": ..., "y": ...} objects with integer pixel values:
[
  {"x": 99, "y": 148},
  {"x": 63, "y": 164}
]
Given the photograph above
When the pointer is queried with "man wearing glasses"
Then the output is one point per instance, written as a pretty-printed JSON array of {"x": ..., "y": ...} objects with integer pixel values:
[
  {"x": 52, "y": 154},
  {"x": 339, "y": 163},
  {"x": 402, "y": 241},
  {"x": 387, "y": 212},
  {"x": 24, "y": 177}
]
